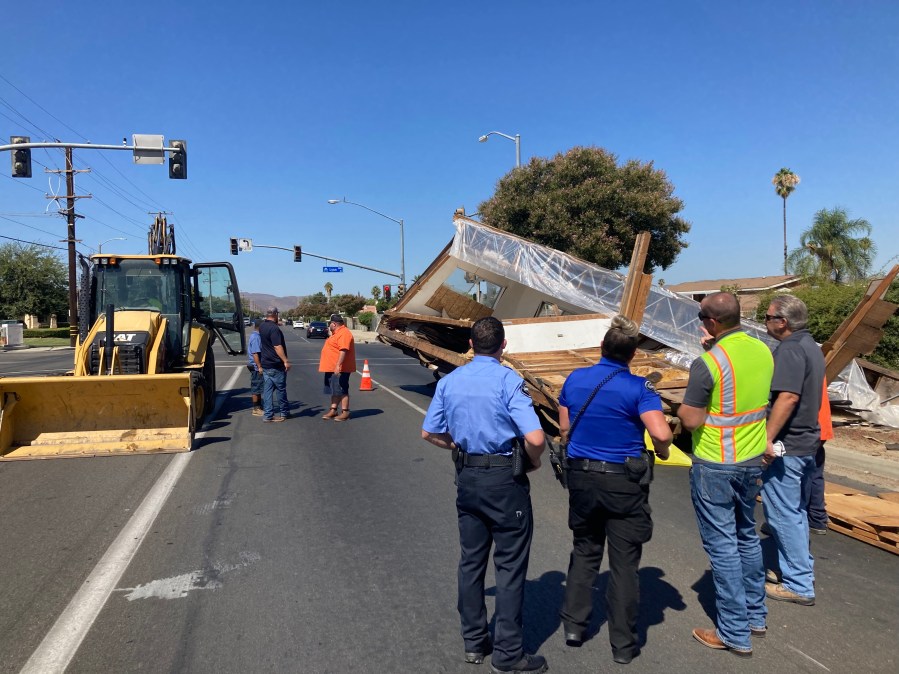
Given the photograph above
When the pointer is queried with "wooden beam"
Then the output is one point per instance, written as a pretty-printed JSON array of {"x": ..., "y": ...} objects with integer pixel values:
[
  {"x": 636, "y": 284},
  {"x": 837, "y": 351}
]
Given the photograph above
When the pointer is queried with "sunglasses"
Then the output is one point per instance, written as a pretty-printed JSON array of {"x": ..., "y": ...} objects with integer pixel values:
[
  {"x": 769, "y": 317},
  {"x": 705, "y": 317}
]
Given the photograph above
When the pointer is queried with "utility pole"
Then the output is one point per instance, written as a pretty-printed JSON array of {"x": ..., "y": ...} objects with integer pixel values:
[
  {"x": 71, "y": 241},
  {"x": 70, "y": 209}
]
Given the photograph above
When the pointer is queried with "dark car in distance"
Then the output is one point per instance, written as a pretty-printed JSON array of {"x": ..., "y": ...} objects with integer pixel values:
[{"x": 317, "y": 329}]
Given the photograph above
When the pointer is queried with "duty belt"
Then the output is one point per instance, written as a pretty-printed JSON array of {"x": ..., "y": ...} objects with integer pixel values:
[
  {"x": 486, "y": 460},
  {"x": 595, "y": 466}
]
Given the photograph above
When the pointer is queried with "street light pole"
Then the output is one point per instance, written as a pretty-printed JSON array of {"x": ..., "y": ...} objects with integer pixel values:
[
  {"x": 402, "y": 234},
  {"x": 115, "y": 238},
  {"x": 516, "y": 139}
]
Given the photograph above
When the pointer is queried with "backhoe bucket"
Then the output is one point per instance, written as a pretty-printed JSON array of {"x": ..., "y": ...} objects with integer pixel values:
[{"x": 42, "y": 418}]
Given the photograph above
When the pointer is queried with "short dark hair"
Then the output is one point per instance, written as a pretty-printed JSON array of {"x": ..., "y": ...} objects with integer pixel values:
[
  {"x": 621, "y": 339},
  {"x": 336, "y": 318},
  {"x": 723, "y": 307},
  {"x": 487, "y": 335}
]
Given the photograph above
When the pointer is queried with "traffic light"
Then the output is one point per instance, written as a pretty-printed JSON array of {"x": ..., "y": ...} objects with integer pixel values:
[
  {"x": 298, "y": 254},
  {"x": 400, "y": 290},
  {"x": 387, "y": 292},
  {"x": 234, "y": 247},
  {"x": 178, "y": 161},
  {"x": 21, "y": 157}
]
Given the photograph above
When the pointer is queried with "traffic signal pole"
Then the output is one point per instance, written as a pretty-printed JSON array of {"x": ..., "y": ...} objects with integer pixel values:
[
  {"x": 21, "y": 147},
  {"x": 320, "y": 257}
]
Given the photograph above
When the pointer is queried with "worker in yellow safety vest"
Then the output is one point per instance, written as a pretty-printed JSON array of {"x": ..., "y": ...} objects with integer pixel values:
[
  {"x": 724, "y": 407},
  {"x": 734, "y": 427}
]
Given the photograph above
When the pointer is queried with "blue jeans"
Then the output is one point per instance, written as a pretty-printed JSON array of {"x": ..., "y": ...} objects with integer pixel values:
[
  {"x": 274, "y": 380},
  {"x": 786, "y": 511},
  {"x": 724, "y": 500}
]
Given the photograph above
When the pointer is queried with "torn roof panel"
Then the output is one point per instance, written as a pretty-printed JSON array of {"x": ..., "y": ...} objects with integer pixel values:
[{"x": 669, "y": 318}]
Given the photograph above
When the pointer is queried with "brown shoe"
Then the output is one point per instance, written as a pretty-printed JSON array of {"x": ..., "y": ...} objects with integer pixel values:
[
  {"x": 779, "y": 593},
  {"x": 343, "y": 416},
  {"x": 330, "y": 414},
  {"x": 278, "y": 419},
  {"x": 258, "y": 412},
  {"x": 710, "y": 638}
]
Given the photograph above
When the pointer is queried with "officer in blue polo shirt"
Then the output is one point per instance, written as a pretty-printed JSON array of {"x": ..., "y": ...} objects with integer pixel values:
[
  {"x": 478, "y": 411},
  {"x": 604, "y": 410}
]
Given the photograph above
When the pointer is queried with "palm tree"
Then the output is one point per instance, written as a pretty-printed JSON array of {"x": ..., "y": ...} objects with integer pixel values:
[
  {"x": 376, "y": 293},
  {"x": 835, "y": 248},
  {"x": 785, "y": 182},
  {"x": 328, "y": 289}
]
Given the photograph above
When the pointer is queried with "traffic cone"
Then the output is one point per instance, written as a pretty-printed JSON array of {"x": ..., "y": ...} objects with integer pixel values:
[{"x": 366, "y": 378}]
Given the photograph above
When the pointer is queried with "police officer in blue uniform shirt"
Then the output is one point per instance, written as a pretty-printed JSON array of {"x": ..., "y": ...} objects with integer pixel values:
[
  {"x": 606, "y": 465},
  {"x": 478, "y": 411}
]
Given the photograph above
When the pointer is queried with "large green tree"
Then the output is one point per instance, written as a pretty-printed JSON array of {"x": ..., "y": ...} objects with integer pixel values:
[
  {"x": 33, "y": 280},
  {"x": 785, "y": 182},
  {"x": 349, "y": 305},
  {"x": 315, "y": 307},
  {"x": 584, "y": 203},
  {"x": 834, "y": 248}
]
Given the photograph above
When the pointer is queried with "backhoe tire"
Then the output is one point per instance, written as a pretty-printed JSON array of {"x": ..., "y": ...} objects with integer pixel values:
[
  {"x": 198, "y": 386},
  {"x": 209, "y": 382}
]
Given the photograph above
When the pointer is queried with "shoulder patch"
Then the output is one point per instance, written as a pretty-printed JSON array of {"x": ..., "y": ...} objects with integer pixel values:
[
  {"x": 525, "y": 389},
  {"x": 650, "y": 386}
]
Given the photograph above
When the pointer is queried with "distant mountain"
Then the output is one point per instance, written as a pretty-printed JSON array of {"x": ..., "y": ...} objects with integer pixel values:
[{"x": 259, "y": 302}]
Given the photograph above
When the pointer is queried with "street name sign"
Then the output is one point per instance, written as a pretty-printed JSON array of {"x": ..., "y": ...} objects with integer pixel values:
[{"x": 335, "y": 269}]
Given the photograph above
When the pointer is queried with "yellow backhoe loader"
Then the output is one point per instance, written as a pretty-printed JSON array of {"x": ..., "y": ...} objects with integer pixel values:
[{"x": 144, "y": 373}]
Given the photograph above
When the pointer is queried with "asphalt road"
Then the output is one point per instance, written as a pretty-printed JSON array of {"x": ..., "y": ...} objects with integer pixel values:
[{"x": 314, "y": 546}]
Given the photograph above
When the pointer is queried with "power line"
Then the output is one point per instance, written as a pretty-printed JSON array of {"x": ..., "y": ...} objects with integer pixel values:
[
  {"x": 36, "y": 229},
  {"x": 33, "y": 243},
  {"x": 101, "y": 180},
  {"x": 42, "y": 108},
  {"x": 11, "y": 238}
]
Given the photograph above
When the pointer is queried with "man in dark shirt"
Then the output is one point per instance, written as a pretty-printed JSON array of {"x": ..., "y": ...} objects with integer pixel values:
[
  {"x": 273, "y": 356},
  {"x": 796, "y": 392}
]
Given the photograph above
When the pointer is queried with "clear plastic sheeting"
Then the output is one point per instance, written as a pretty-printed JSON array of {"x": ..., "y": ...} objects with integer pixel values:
[
  {"x": 851, "y": 385},
  {"x": 668, "y": 318}
]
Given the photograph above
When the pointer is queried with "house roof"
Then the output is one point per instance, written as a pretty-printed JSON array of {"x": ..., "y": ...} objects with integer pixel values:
[{"x": 752, "y": 284}]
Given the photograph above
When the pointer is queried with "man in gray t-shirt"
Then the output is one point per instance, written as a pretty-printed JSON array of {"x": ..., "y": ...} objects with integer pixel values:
[{"x": 796, "y": 392}]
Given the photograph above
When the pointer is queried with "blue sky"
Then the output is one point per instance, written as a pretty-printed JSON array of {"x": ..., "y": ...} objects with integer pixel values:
[{"x": 287, "y": 104}]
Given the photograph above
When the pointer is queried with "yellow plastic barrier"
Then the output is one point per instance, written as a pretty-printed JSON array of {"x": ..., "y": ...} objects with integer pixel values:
[
  {"x": 675, "y": 456},
  {"x": 95, "y": 416}
]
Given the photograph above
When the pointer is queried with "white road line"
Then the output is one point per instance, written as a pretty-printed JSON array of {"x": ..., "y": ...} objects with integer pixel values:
[
  {"x": 56, "y": 651},
  {"x": 807, "y": 656},
  {"x": 397, "y": 395}
]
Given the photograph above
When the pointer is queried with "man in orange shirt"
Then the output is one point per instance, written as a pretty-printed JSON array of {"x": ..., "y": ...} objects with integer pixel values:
[{"x": 338, "y": 359}]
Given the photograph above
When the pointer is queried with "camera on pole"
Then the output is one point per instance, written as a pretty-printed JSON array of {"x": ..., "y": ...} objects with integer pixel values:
[
  {"x": 178, "y": 161},
  {"x": 21, "y": 157},
  {"x": 298, "y": 254},
  {"x": 234, "y": 248}
]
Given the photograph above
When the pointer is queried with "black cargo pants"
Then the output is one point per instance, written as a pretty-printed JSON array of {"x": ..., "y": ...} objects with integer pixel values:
[
  {"x": 494, "y": 508},
  {"x": 606, "y": 507}
]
